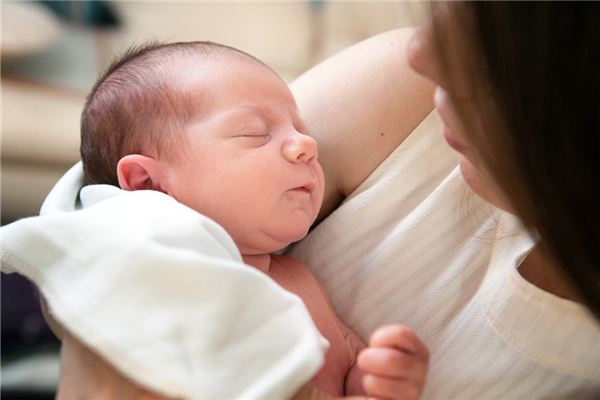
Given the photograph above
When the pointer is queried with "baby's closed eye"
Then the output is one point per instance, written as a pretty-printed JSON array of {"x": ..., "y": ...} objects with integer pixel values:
[
  {"x": 255, "y": 135},
  {"x": 254, "y": 139}
]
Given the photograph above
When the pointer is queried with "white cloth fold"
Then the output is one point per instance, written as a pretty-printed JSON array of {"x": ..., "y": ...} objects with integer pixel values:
[{"x": 161, "y": 293}]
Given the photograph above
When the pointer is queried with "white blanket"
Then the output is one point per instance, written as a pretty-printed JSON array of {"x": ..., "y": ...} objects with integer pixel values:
[{"x": 161, "y": 292}]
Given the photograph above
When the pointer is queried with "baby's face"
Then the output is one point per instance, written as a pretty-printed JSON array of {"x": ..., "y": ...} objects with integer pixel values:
[{"x": 249, "y": 163}]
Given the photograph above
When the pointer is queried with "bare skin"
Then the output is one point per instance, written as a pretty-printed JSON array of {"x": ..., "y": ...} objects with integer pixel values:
[
  {"x": 92, "y": 377},
  {"x": 84, "y": 374},
  {"x": 391, "y": 102},
  {"x": 366, "y": 97},
  {"x": 360, "y": 105},
  {"x": 536, "y": 268}
]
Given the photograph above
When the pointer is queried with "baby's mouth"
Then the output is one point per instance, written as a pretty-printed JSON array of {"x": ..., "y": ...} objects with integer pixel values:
[
  {"x": 302, "y": 189},
  {"x": 308, "y": 188}
]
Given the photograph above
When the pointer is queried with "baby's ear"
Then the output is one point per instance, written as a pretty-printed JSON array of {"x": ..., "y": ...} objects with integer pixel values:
[{"x": 138, "y": 172}]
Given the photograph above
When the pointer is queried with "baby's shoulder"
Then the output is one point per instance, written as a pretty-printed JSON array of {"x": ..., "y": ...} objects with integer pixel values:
[
  {"x": 283, "y": 263},
  {"x": 286, "y": 260},
  {"x": 286, "y": 269}
]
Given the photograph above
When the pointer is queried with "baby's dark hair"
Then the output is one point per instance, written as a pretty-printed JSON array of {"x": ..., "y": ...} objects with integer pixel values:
[{"x": 137, "y": 107}]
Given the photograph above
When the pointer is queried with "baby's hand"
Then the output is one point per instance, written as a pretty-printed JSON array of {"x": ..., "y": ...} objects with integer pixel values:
[{"x": 395, "y": 364}]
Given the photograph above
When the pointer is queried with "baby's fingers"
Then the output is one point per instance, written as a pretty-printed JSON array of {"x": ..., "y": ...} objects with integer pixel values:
[
  {"x": 392, "y": 363},
  {"x": 386, "y": 388},
  {"x": 401, "y": 338}
]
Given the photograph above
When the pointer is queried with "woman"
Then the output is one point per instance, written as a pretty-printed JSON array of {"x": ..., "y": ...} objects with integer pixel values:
[
  {"x": 503, "y": 74},
  {"x": 525, "y": 125},
  {"x": 500, "y": 307}
]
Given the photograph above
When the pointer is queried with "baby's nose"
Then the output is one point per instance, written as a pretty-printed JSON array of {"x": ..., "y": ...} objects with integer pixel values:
[{"x": 301, "y": 148}]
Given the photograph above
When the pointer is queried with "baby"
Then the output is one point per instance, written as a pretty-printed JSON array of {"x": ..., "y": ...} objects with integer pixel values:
[{"x": 220, "y": 132}]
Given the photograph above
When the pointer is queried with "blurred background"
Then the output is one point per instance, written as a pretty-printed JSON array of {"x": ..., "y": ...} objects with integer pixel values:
[{"x": 51, "y": 54}]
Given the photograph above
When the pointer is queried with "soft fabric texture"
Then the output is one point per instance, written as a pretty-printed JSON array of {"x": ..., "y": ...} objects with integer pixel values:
[
  {"x": 413, "y": 245},
  {"x": 161, "y": 293}
]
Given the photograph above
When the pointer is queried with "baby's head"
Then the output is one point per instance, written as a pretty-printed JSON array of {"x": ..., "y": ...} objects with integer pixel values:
[{"x": 212, "y": 127}]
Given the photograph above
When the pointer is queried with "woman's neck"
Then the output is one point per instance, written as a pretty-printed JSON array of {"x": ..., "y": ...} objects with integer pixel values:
[
  {"x": 539, "y": 271},
  {"x": 258, "y": 261}
]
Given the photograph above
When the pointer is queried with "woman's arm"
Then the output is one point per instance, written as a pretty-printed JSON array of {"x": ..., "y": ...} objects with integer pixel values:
[
  {"x": 360, "y": 105},
  {"x": 84, "y": 375}
]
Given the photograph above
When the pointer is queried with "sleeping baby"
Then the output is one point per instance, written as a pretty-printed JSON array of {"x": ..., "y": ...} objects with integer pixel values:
[{"x": 219, "y": 131}]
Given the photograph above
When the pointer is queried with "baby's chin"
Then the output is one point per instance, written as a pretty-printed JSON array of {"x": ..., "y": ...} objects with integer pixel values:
[{"x": 271, "y": 242}]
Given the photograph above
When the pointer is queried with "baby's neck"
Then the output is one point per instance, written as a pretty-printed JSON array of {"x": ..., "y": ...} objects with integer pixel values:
[{"x": 258, "y": 261}]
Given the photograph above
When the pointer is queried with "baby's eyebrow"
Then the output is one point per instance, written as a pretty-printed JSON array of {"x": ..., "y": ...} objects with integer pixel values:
[
  {"x": 240, "y": 112},
  {"x": 245, "y": 111},
  {"x": 244, "y": 119},
  {"x": 249, "y": 113},
  {"x": 252, "y": 113}
]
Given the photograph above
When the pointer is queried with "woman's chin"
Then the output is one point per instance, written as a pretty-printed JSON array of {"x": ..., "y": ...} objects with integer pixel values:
[
  {"x": 469, "y": 173},
  {"x": 482, "y": 184}
]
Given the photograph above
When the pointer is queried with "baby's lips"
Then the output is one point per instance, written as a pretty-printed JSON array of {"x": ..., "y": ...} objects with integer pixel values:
[{"x": 309, "y": 187}]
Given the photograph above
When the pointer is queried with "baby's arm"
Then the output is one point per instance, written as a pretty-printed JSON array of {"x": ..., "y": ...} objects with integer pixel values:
[
  {"x": 353, "y": 385},
  {"x": 395, "y": 364}
]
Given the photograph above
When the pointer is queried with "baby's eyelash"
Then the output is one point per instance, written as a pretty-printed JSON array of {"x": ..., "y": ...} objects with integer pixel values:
[{"x": 256, "y": 136}]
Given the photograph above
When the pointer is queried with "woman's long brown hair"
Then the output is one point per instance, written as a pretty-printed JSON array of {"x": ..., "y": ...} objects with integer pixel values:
[{"x": 534, "y": 72}]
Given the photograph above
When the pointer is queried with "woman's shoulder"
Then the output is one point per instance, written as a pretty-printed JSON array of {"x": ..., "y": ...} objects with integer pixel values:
[{"x": 360, "y": 104}]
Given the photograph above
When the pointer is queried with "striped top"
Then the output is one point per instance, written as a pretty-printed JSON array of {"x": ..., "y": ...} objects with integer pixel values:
[{"x": 414, "y": 245}]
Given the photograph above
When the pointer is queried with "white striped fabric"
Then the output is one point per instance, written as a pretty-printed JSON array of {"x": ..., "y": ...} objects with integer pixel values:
[{"x": 413, "y": 245}]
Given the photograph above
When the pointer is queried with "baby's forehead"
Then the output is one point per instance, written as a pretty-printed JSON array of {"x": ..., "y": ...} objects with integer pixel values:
[
  {"x": 217, "y": 79},
  {"x": 196, "y": 65}
]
